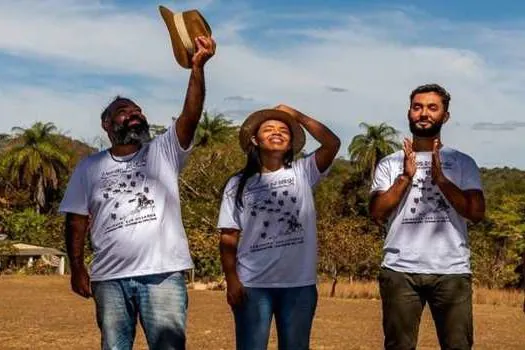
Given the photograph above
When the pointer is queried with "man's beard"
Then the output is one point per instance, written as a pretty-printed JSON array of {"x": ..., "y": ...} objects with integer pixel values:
[
  {"x": 136, "y": 134},
  {"x": 433, "y": 131}
]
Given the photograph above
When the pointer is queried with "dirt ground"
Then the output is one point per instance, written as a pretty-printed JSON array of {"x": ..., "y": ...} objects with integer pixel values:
[{"x": 41, "y": 313}]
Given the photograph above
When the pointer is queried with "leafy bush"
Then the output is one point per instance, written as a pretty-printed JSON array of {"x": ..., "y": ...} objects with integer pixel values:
[{"x": 28, "y": 226}]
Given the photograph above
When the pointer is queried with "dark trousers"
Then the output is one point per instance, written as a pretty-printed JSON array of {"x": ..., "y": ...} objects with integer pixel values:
[{"x": 404, "y": 296}]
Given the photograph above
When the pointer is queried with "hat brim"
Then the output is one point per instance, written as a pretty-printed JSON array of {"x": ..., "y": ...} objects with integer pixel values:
[
  {"x": 195, "y": 25},
  {"x": 253, "y": 122}
]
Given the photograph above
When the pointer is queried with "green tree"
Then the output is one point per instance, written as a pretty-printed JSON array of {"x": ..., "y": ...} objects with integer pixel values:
[
  {"x": 507, "y": 228},
  {"x": 35, "y": 162},
  {"x": 347, "y": 247},
  {"x": 367, "y": 149},
  {"x": 201, "y": 189},
  {"x": 30, "y": 227},
  {"x": 213, "y": 128}
]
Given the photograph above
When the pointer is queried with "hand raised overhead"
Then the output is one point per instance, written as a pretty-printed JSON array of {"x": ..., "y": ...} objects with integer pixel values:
[{"x": 205, "y": 49}]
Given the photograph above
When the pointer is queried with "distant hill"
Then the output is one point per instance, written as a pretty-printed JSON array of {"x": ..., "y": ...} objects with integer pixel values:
[
  {"x": 77, "y": 149},
  {"x": 497, "y": 181}
]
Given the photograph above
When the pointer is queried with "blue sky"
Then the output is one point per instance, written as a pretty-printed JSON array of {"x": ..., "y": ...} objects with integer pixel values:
[
  {"x": 471, "y": 10},
  {"x": 343, "y": 62}
]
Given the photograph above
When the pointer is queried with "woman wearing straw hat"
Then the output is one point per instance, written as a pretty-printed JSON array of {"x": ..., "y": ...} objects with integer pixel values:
[{"x": 268, "y": 228}]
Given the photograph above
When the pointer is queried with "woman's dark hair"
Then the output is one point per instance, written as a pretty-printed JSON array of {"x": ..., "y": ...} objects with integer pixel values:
[{"x": 253, "y": 166}]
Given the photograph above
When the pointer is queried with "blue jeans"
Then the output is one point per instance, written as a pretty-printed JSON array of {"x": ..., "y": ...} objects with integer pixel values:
[
  {"x": 160, "y": 302},
  {"x": 294, "y": 310}
]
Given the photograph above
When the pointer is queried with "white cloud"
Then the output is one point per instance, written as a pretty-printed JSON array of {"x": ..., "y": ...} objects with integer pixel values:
[
  {"x": 87, "y": 37},
  {"x": 376, "y": 57}
]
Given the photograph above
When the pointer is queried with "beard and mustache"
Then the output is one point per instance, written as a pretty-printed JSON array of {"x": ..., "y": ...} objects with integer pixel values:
[
  {"x": 125, "y": 134},
  {"x": 432, "y": 131}
]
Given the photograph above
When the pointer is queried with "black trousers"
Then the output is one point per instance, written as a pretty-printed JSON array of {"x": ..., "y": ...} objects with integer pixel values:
[{"x": 404, "y": 295}]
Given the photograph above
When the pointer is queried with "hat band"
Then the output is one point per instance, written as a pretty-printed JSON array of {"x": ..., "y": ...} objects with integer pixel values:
[{"x": 183, "y": 32}]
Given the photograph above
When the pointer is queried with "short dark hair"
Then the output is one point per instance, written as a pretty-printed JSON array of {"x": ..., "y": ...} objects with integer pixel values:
[
  {"x": 445, "y": 96},
  {"x": 106, "y": 112}
]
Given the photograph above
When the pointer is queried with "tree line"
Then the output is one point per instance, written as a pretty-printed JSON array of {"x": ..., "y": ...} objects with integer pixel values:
[{"x": 36, "y": 162}]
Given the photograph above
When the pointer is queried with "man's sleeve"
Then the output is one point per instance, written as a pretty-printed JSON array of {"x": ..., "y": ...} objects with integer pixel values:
[
  {"x": 75, "y": 198},
  {"x": 382, "y": 181},
  {"x": 169, "y": 143},
  {"x": 470, "y": 175}
]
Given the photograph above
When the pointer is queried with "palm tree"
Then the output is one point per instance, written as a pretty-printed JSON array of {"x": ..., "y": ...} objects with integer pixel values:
[
  {"x": 367, "y": 149},
  {"x": 35, "y": 161},
  {"x": 214, "y": 128}
]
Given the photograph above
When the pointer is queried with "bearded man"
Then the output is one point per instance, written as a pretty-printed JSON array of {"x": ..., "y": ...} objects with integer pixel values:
[
  {"x": 128, "y": 195},
  {"x": 425, "y": 194}
]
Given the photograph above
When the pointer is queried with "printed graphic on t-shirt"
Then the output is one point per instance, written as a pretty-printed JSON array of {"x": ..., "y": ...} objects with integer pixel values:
[
  {"x": 426, "y": 203},
  {"x": 127, "y": 188},
  {"x": 277, "y": 207}
]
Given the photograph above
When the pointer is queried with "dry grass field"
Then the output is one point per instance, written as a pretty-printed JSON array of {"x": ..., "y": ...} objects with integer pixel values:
[
  {"x": 370, "y": 290},
  {"x": 41, "y": 313}
]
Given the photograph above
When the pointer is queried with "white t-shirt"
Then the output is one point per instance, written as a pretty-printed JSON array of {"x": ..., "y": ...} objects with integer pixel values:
[
  {"x": 278, "y": 244},
  {"x": 425, "y": 233},
  {"x": 135, "y": 207}
]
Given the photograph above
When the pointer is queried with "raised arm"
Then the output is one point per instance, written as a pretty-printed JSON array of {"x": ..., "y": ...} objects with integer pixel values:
[
  {"x": 76, "y": 229},
  {"x": 330, "y": 143},
  {"x": 383, "y": 203},
  {"x": 189, "y": 119}
]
